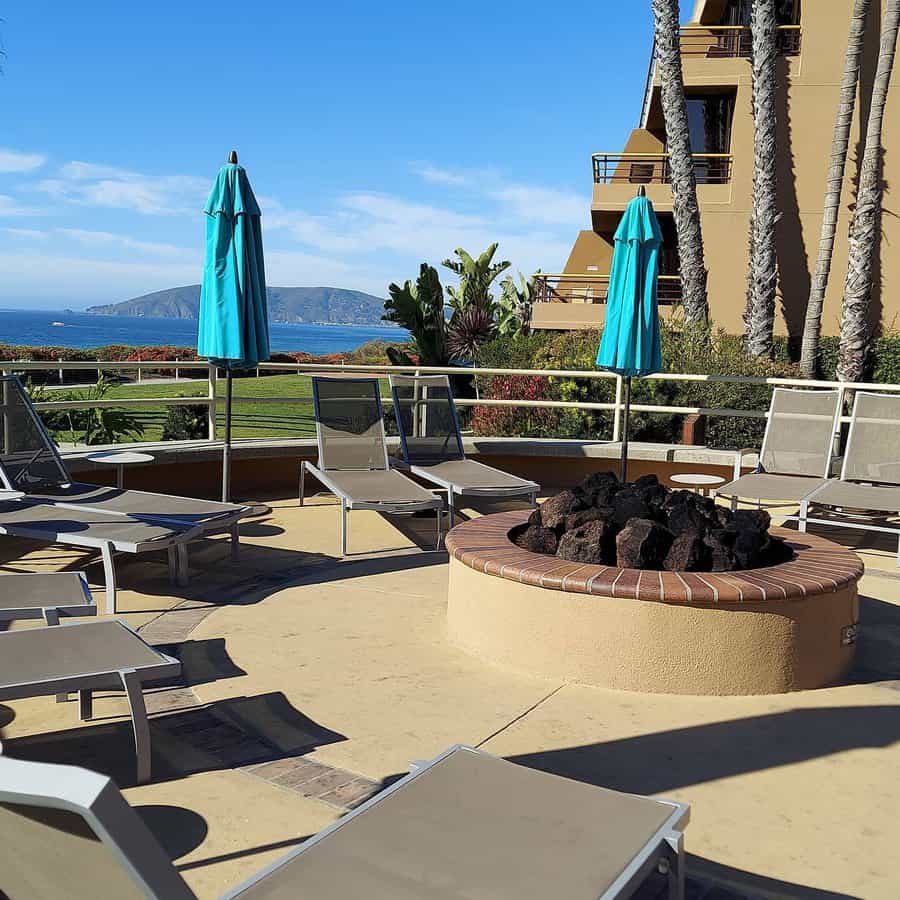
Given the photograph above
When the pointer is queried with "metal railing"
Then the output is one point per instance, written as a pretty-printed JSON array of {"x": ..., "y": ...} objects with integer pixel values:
[
  {"x": 655, "y": 168},
  {"x": 211, "y": 401},
  {"x": 564, "y": 288},
  {"x": 733, "y": 41}
]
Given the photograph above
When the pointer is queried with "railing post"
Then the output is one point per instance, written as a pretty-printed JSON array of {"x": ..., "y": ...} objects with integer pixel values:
[
  {"x": 617, "y": 413},
  {"x": 212, "y": 408},
  {"x": 61, "y": 371},
  {"x": 176, "y": 368}
]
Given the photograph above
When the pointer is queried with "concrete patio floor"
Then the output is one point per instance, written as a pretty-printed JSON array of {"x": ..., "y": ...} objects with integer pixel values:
[{"x": 308, "y": 681}]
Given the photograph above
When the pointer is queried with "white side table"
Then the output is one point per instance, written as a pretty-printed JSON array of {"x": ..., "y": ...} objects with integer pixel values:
[
  {"x": 698, "y": 482},
  {"x": 120, "y": 459}
]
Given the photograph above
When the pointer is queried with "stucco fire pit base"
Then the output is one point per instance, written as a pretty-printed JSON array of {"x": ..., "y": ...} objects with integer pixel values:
[{"x": 766, "y": 631}]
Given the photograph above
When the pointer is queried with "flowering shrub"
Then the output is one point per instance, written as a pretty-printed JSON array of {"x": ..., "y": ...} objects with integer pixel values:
[{"x": 508, "y": 421}]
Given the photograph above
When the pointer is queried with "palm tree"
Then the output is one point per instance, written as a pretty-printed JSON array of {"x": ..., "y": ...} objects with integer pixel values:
[
  {"x": 856, "y": 332},
  {"x": 759, "y": 317},
  {"x": 681, "y": 161},
  {"x": 840, "y": 143}
]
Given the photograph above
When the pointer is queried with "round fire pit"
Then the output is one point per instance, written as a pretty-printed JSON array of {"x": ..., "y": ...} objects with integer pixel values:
[{"x": 761, "y": 631}]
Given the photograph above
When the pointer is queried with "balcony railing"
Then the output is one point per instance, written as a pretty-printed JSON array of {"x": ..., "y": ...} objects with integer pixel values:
[
  {"x": 654, "y": 168},
  {"x": 594, "y": 288},
  {"x": 733, "y": 41}
]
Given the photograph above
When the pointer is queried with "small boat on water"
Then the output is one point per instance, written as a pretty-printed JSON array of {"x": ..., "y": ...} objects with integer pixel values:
[{"x": 58, "y": 324}]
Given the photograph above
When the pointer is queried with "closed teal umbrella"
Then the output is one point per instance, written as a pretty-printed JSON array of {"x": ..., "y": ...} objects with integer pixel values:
[
  {"x": 630, "y": 345},
  {"x": 234, "y": 321}
]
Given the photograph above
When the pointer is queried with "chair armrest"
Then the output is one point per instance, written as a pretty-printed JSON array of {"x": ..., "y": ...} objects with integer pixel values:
[{"x": 739, "y": 459}]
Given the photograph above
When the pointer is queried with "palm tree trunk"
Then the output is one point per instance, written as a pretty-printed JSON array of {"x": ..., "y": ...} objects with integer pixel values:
[
  {"x": 865, "y": 236},
  {"x": 681, "y": 163},
  {"x": 762, "y": 276},
  {"x": 840, "y": 143}
]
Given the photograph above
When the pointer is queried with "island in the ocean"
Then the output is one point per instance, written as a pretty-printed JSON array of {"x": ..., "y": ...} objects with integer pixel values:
[{"x": 289, "y": 305}]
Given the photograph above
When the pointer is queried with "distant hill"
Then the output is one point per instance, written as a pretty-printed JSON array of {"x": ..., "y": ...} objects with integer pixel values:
[{"x": 333, "y": 306}]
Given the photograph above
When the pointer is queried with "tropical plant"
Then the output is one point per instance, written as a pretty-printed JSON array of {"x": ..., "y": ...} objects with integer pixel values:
[
  {"x": 469, "y": 329},
  {"x": 185, "y": 423},
  {"x": 856, "y": 331},
  {"x": 419, "y": 308},
  {"x": 762, "y": 277},
  {"x": 105, "y": 425},
  {"x": 840, "y": 143},
  {"x": 681, "y": 161},
  {"x": 475, "y": 278},
  {"x": 515, "y": 305}
]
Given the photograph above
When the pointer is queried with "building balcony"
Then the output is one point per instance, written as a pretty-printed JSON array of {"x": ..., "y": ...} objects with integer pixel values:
[
  {"x": 655, "y": 168},
  {"x": 733, "y": 41},
  {"x": 566, "y": 302}
]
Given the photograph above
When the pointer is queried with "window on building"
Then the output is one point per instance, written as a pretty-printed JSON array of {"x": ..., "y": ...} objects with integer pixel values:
[
  {"x": 737, "y": 12},
  {"x": 709, "y": 120}
]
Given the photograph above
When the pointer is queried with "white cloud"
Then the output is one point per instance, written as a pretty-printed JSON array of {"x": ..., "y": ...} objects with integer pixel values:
[
  {"x": 108, "y": 239},
  {"x": 89, "y": 184},
  {"x": 31, "y": 234},
  {"x": 437, "y": 175},
  {"x": 14, "y": 161},
  {"x": 545, "y": 205},
  {"x": 10, "y": 208}
]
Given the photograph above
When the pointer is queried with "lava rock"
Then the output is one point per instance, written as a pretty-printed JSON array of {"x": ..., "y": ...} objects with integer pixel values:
[
  {"x": 751, "y": 520},
  {"x": 627, "y": 505},
  {"x": 599, "y": 488},
  {"x": 592, "y": 514},
  {"x": 774, "y": 552},
  {"x": 537, "y": 539},
  {"x": 591, "y": 543},
  {"x": 535, "y": 517},
  {"x": 688, "y": 553},
  {"x": 555, "y": 510},
  {"x": 643, "y": 544},
  {"x": 646, "y": 481},
  {"x": 721, "y": 547},
  {"x": 687, "y": 517}
]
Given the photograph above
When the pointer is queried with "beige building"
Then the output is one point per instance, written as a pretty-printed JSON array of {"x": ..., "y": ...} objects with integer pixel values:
[{"x": 715, "y": 55}]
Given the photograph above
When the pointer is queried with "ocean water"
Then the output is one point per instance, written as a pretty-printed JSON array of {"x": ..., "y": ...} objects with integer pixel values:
[{"x": 82, "y": 331}]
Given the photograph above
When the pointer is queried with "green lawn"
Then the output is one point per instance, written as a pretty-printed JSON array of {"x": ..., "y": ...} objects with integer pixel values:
[{"x": 250, "y": 419}]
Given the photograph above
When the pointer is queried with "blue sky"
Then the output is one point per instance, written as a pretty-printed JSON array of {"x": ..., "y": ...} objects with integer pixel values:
[{"x": 375, "y": 135}]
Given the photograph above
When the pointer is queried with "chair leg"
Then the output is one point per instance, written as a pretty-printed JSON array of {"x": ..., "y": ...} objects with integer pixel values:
[
  {"x": 181, "y": 552},
  {"x": 109, "y": 576},
  {"x": 802, "y": 516},
  {"x": 302, "y": 488},
  {"x": 235, "y": 542},
  {"x": 345, "y": 515},
  {"x": 675, "y": 861},
  {"x": 898, "y": 553},
  {"x": 139, "y": 723},
  {"x": 85, "y": 705},
  {"x": 440, "y": 535},
  {"x": 451, "y": 509}
]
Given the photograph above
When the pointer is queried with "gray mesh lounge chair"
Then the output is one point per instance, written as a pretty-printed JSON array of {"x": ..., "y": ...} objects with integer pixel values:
[
  {"x": 84, "y": 657},
  {"x": 796, "y": 452},
  {"x": 464, "y": 825},
  {"x": 353, "y": 458},
  {"x": 30, "y": 462},
  {"x": 45, "y": 596},
  {"x": 106, "y": 533},
  {"x": 868, "y": 490},
  {"x": 432, "y": 445}
]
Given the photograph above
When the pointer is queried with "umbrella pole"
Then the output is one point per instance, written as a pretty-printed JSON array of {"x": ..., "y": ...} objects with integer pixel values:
[
  {"x": 623, "y": 464},
  {"x": 226, "y": 450}
]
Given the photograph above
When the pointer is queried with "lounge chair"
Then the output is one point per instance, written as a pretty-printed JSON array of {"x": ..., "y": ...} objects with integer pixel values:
[
  {"x": 463, "y": 825},
  {"x": 30, "y": 462},
  {"x": 796, "y": 452},
  {"x": 432, "y": 445},
  {"x": 45, "y": 596},
  {"x": 106, "y": 533},
  {"x": 869, "y": 485},
  {"x": 353, "y": 457},
  {"x": 84, "y": 657}
]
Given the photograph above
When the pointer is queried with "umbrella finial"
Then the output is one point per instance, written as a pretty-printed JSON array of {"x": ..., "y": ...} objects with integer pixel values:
[
  {"x": 642, "y": 191},
  {"x": 232, "y": 157}
]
